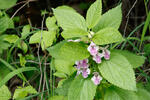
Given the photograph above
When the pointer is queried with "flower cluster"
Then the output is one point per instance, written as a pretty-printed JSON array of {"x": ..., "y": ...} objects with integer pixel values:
[
  {"x": 94, "y": 51},
  {"x": 83, "y": 67}
]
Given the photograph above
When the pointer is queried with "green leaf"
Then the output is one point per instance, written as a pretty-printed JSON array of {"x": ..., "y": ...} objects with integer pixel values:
[
  {"x": 135, "y": 60},
  {"x": 147, "y": 49},
  {"x": 76, "y": 32},
  {"x": 25, "y": 30},
  {"x": 63, "y": 89},
  {"x": 69, "y": 19},
  {"x": 22, "y": 60},
  {"x": 60, "y": 74},
  {"x": 107, "y": 36},
  {"x": 3, "y": 23},
  {"x": 69, "y": 51},
  {"x": 47, "y": 38},
  {"x": 51, "y": 23},
  {"x": 20, "y": 92},
  {"x": 112, "y": 18},
  {"x": 143, "y": 94},
  {"x": 23, "y": 46},
  {"x": 118, "y": 71},
  {"x": 64, "y": 7},
  {"x": 82, "y": 89},
  {"x": 94, "y": 14},
  {"x": 64, "y": 66},
  {"x": 11, "y": 38},
  {"x": 58, "y": 98},
  {"x": 114, "y": 93},
  {"x": 4, "y": 4},
  {"x": 15, "y": 72},
  {"x": 4, "y": 45},
  {"x": 5, "y": 94}
]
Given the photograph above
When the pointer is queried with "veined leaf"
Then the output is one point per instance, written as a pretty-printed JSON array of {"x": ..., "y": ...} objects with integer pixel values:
[
  {"x": 4, "y": 4},
  {"x": 47, "y": 38},
  {"x": 69, "y": 19},
  {"x": 20, "y": 92},
  {"x": 76, "y": 32},
  {"x": 107, "y": 36},
  {"x": 5, "y": 94},
  {"x": 82, "y": 89},
  {"x": 114, "y": 93},
  {"x": 135, "y": 60},
  {"x": 64, "y": 7},
  {"x": 58, "y": 98},
  {"x": 69, "y": 51},
  {"x": 51, "y": 23},
  {"x": 94, "y": 14},
  {"x": 11, "y": 38},
  {"x": 111, "y": 18},
  {"x": 64, "y": 66},
  {"x": 143, "y": 94},
  {"x": 118, "y": 71},
  {"x": 25, "y": 30}
]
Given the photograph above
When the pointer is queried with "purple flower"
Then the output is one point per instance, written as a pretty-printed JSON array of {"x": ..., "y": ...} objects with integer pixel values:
[
  {"x": 85, "y": 72},
  {"x": 82, "y": 67},
  {"x": 93, "y": 49},
  {"x": 97, "y": 58},
  {"x": 96, "y": 78},
  {"x": 106, "y": 54}
]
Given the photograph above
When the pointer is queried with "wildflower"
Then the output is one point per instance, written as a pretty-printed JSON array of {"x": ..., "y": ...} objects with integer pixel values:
[
  {"x": 93, "y": 49},
  {"x": 97, "y": 58},
  {"x": 96, "y": 78},
  {"x": 106, "y": 54},
  {"x": 85, "y": 72},
  {"x": 82, "y": 67}
]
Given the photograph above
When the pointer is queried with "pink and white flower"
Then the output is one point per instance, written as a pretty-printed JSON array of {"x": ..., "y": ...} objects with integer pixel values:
[
  {"x": 96, "y": 78},
  {"x": 106, "y": 54},
  {"x": 97, "y": 58},
  {"x": 93, "y": 49}
]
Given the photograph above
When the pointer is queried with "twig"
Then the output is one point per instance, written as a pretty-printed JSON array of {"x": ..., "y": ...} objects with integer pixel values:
[{"x": 39, "y": 55}]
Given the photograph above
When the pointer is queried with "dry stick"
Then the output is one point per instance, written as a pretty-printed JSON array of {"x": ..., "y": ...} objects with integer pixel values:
[
  {"x": 44, "y": 81},
  {"x": 39, "y": 55}
]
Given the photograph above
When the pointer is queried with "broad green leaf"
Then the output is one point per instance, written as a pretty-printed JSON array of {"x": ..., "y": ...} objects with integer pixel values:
[
  {"x": 64, "y": 7},
  {"x": 4, "y": 45},
  {"x": 69, "y": 51},
  {"x": 114, "y": 93},
  {"x": 20, "y": 92},
  {"x": 76, "y": 32},
  {"x": 135, "y": 60},
  {"x": 5, "y": 94},
  {"x": 64, "y": 66},
  {"x": 51, "y": 23},
  {"x": 3, "y": 70},
  {"x": 25, "y": 30},
  {"x": 107, "y": 36},
  {"x": 63, "y": 89},
  {"x": 58, "y": 98},
  {"x": 47, "y": 38},
  {"x": 82, "y": 89},
  {"x": 11, "y": 38},
  {"x": 143, "y": 94},
  {"x": 4, "y": 4},
  {"x": 118, "y": 71},
  {"x": 69, "y": 19},
  {"x": 60, "y": 74},
  {"x": 112, "y": 18},
  {"x": 5, "y": 23},
  {"x": 94, "y": 14},
  {"x": 60, "y": 83}
]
